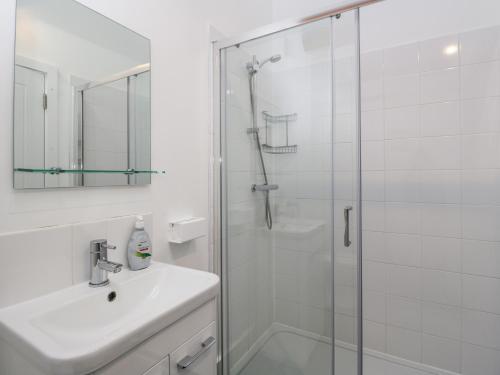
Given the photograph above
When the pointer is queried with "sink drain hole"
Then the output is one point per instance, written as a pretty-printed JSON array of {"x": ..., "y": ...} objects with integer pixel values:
[{"x": 111, "y": 296}]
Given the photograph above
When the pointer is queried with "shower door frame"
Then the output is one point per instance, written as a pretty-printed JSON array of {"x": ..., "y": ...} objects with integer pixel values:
[{"x": 218, "y": 239}]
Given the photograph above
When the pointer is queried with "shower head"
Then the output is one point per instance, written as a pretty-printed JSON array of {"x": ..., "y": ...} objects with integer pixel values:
[
  {"x": 273, "y": 59},
  {"x": 254, "y": 66}
]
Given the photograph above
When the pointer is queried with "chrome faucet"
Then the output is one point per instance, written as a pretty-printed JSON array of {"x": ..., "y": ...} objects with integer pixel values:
[{"x": 99, "y": 263}]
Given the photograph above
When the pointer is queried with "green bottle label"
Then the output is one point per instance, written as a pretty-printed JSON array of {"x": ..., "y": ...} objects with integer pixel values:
[{"x": 142, "y": 250}]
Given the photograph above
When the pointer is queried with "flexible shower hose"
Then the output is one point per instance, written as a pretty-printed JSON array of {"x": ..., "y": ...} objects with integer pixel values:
[{"x": 267, "y": 204}]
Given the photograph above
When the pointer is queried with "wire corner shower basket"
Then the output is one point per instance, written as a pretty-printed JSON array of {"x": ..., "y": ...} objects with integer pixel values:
[{"x": 285, "y": 147}]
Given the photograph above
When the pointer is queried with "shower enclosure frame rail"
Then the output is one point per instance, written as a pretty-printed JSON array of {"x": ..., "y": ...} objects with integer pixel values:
[
  {"x": 290, "y": 24},
  {"x": 218, "y": 214}
]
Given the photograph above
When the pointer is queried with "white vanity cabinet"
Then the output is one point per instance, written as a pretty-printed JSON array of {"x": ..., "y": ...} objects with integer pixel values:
[
  {"x": 198, "y": 356},
  {"x": 162, "y": 368},
  {"x": 192, "y": 339}
]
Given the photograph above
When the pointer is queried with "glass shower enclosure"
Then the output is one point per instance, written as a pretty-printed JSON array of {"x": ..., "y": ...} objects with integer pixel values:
[
  {"x": 289, "y": 113},
  {"x": 392, "y": 110}
]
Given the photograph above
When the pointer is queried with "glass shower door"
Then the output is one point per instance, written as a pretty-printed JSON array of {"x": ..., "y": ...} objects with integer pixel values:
[
  {"x": 346, "y": 194},
  {"x": 288, "y": 196}
]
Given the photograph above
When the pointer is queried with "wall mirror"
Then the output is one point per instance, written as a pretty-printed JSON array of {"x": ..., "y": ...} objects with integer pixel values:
[{"x": 82, "y": 108}]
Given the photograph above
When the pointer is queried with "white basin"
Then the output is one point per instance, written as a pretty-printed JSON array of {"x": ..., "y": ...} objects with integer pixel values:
[{"x": 77, "y": 330}]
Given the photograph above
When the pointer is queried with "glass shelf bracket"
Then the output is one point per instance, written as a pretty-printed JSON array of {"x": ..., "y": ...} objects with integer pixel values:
[{"x": 56, "y": 171}]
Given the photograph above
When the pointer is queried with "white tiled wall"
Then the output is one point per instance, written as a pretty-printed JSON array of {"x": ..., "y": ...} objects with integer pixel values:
[
  {"x": 431, "y": 137},
  {"x": 45, "y": 260}
]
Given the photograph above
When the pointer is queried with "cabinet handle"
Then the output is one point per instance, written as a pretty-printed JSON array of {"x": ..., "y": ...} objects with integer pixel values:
[
  {"x": 188, "y": 360},
  {"x": 347, "y": 241}
]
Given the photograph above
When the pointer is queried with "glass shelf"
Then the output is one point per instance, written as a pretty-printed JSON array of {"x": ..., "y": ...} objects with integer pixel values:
[{"x": 84, "y": 171}]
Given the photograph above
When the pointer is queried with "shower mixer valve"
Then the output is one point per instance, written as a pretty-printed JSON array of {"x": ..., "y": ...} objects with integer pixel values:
[{"x": 264, "y": 187}]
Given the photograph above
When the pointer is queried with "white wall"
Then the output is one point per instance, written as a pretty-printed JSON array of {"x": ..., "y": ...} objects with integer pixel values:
[
  {"x": 421, "y": 20},
  {"x": 180, "y": 123},
  {"x": 285, "y": 9},
  {"x": 58, "y": 257}
]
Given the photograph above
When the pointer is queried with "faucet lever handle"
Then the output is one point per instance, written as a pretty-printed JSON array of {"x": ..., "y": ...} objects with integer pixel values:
[
  {"x": 104, "y": 250},
  {"x": 108, "y": 246}
]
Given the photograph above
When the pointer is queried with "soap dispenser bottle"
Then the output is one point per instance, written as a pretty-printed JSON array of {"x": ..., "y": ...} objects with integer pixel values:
[{"x": 139, "y": 247}]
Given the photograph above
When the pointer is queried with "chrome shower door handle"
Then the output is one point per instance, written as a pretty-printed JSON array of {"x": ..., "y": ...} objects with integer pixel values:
[{"x": 347, "y": 241}]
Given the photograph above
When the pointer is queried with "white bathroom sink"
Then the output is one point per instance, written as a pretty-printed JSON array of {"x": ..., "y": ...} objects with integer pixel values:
[{"x": 78, "y": 330}]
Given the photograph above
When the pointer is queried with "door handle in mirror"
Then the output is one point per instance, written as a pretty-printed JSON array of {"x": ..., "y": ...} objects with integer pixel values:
[{"x": 347, "y": 241}]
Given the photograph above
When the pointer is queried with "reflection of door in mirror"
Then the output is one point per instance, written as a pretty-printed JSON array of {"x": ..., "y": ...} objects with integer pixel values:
[{"x": 29, "y": 120}]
